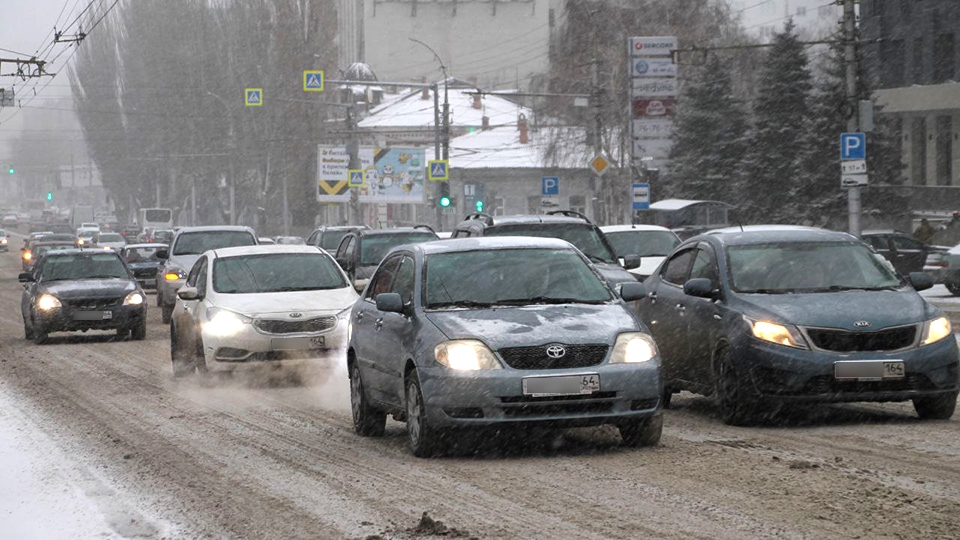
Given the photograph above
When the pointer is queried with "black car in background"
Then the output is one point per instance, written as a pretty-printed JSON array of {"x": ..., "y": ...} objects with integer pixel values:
[
  {"x": 329, "y": 238},
  {"x": 361, "y": 251},
  {"x": 39, "y": 249},
  {"x": 762, "y": 318},
  {"x": 77, "y": 290},
  {"x": 143, "y": 262},
  {"x": 905, "y": 253}
]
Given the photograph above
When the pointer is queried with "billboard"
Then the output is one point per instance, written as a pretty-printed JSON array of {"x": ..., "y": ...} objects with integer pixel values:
[
  {"x": 655, "y": 87},
  {"x": 395, "y": 176},
  {"x": 653, "y": 107},
  {"x": 333, "y": 162},
  {"x": 652, "y": 45}
]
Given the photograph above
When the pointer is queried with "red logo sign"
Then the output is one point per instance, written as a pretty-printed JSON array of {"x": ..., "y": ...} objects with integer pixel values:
[{"x": 653, "y": 107}]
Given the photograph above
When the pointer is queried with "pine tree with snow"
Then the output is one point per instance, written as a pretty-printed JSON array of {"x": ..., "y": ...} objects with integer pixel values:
[
  {"x": 773, "y": 171},
  {"x": 708, "y": 136}
]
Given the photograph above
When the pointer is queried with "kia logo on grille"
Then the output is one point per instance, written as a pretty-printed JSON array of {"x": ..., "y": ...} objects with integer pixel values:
[
  {"x": 556, "y": 351},
  {"x": 861, "y": 324},
  {"x": 296, "y": 315}
]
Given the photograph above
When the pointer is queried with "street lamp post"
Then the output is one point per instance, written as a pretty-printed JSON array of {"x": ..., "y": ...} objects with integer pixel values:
[
  {"x": 446, "y": 127},
  {"x": 232, "y": 182}
]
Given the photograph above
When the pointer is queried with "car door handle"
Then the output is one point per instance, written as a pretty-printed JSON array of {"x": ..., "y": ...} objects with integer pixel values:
[{"x": 378, "y": 324}]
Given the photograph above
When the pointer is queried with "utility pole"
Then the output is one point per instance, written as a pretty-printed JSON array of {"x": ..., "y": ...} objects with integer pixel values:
[
  {"x": 597, "y": 131},
  {"x": 853, "y": 122},
  {"x": 353, "y": 149},
  {"x": 436, "y": 151}
]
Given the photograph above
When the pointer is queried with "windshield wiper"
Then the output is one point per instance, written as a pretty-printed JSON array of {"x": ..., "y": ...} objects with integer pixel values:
[
  {"x": 545, "y": 300},
  {"x": 594, "y": 258},
  {"x": 769, "y": 291},
  {"x": 460, "y": 303},
  {"x": 103, "y": 277}
]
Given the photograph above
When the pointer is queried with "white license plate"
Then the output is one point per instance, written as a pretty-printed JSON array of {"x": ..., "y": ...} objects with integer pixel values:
[
  {"x": 93, "y": 315},
  {"x": 869, "y": 370},
  {"x": 297, "y": 343},
  {"x": 562, "y": 385}
]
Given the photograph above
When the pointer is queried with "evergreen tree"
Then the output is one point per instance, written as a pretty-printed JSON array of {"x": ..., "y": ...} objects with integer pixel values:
[
  {"x": 774, "y": 167},
  {"x": 709, "y": 136}
]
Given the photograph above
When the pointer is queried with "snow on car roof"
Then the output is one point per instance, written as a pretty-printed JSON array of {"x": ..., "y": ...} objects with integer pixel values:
[
  {"x": 762, "y": 228},
  {"x": 628, "y": 228},
  {"x": 767, "y": 234},
  {"x": 679, "y": 204},
  {"x": 265, "y": 250},
  {"x": 492, "y": 242},
  {"x": 213, "y": 228}
]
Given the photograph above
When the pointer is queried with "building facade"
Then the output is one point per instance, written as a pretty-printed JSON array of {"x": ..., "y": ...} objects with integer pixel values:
[
  {"x": 910, "y": 50},
  {"x": 813, "y": 18}
]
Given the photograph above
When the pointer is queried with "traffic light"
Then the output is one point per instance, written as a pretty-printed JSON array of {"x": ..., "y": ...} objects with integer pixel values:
[
  {"x": 12, "y": 170},
  {"x": 49, "y": 195},
  {"x": 479, "y": 206},
  {"x": 445, "y": 201}
]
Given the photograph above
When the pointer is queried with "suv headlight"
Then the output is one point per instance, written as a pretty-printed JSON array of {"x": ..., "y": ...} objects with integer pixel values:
[
  {"x": 466, "y": 355},
  {"x": 173, "y": 274},
  {"x": 223, "y": 323},
  {"x": 133, "y": 299},
  {"x": 46, "y": 302},
  {"x": 936, "y": 329},
  {"x": 633, "y": 348},
  {"x": 786, "y": 335}
]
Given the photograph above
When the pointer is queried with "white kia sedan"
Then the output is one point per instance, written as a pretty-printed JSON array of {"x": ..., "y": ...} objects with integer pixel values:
[{"x": 257, "y": 305}]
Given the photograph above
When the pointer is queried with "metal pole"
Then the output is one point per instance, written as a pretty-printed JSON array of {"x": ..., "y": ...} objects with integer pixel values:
[
  {"x": 353, "y": 149},
  {"x": 286, "y": 208},
  {"x": 853, "y": 123},
  {"x": 436, "y": 151},
  {"x": 597, "y": 130}
]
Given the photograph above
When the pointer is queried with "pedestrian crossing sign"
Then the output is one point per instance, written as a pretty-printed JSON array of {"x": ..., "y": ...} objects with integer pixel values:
[
  {"x": 438, "y": 170},
  {"x": 313, "y": 80},
  {"x": 253, "y": 97},
  {"x": 357, "y": 178}
]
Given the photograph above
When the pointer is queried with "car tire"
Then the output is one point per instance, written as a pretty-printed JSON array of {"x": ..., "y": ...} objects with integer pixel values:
[
  {"x": 939, "y": 407},
  {"x": 139, "y": 332},
  {"x": 641, "y": 433},
  {"x": 183, "y": 365},
  {"x": 424, "y": 439},
  {"x": 367, "y": 420},
  {"x": 27, "y": 331},
  {"x": 737, "y": 407},
  {"x": 954, "y": 288},
  {"x": 166, "y": 313}
]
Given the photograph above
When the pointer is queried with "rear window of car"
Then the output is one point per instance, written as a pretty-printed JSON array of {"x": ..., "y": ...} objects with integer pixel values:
[
  {"x": 374, "y": 248},
  {"x": 196, "y": 243},
  {"x": 585, "y": 237},
  {"x": 331, "y": 240},
  {"x": 276, "y": 272},
  {"x": 111, "y": 237}
]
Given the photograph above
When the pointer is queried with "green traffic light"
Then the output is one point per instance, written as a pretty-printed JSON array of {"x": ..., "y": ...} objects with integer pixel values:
[
  {"x": 444, "y": 202},
  {"x": 12, "y": 170},
  {"x": 479, "y": 206},
  {"x": 49, "y": 195}
]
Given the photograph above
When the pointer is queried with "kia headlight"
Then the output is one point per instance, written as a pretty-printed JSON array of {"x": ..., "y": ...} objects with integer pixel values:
[
  {"x": 133, "y": 299},
  {"x": 46, "y": 302},
  {"x": 786, "y": 335},
  {"x": 222, "y": 323},
  {"x": 936, "y": 329},
  {"x": 633, "y": 348},
  {"x": 466, "y": 355}
]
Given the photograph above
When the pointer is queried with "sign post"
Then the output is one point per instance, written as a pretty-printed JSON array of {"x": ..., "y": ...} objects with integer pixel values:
[
  {"x": 641, "y": 196},
  {"x": 853, "y": 160}
]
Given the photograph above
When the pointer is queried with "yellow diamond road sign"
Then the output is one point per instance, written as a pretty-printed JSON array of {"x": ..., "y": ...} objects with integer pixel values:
[{"x": 599, "y": 164}]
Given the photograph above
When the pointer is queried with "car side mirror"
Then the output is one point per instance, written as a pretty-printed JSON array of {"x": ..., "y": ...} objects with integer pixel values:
[
  {"x": 25, "y": 277},
  {"x": 188, "y": 293},
  {"x": 700, "y": 288},
  {"x": 389, "y": 303},
  {"x": 920, "y": 281},
  {"x": 163, "y": 254},
  {"x": 631, "y": 292},
  {"x": 631, "y": 262}
]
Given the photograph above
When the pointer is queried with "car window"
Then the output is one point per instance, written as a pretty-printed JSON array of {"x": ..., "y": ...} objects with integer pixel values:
[
  {"x": 675, "y": 271},
  {"x": 704, "y": 266},
  {"x": 585, "y": 237},
  {"x": 194, "y": 272},
  {"x": 331, "y": 239},
  {"x": 276, "y": 273},
  {"x": 643, "y": 243},
  {"x": 312, "y": 239},
  {"x": 374, "y": 248},
  {"x": 405, "y": 279},
  {"x": 195, "y": 243},
  {"x": 903, "y": 243},
  {"x": 460, "y": 234},
  {"x": 879, "y": 243},
  {"x": 202, "y": 278},
  {"x": 347, "y": 249},
  {"x": 383, "y": 279}
]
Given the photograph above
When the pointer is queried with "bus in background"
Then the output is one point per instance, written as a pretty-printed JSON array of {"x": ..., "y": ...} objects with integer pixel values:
[{"x": 155, "y": 218}]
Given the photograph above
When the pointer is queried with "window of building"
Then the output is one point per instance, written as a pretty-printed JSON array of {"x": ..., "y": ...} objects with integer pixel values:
[
  {"x": 918, "y": 154},
  {"x": 578, "y": 203},
  {"x": 535, "y": 205},
  {"x": 944, "y": 150},
  {"x": 801, "y": 11},
  {"x": 499, "y": 206},
  {"x": 918, "y": 61},
  {"x": 891, "y": 56},
  {"x": 944, "y": 59}
]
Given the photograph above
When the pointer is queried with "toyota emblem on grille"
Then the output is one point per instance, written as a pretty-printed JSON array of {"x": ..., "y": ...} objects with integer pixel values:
[
  {"x": 862, "y": 324},
  {"x": 296, "y": 315},
  {"x": 556, "y": 351}
]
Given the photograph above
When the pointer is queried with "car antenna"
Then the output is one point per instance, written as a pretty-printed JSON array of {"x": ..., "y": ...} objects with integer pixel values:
[{"x": 740, "y": 225}]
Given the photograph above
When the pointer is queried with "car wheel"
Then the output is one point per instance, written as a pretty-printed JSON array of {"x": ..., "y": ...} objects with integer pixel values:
[
  {"x": 166, "y": 313},
  {"x": 367, "y": 420},
  {"x": 644, "y": 432},
  {"x": 736, "y": 406},
  {"x": 953, "y": 288},
  {"x": 140, "y": 330},
  {"x": 183, "y": 364},
  {"x": 27, "y": 331},
  {"x": 936, "y": 407},
  {"x": 424, "y": 439}
]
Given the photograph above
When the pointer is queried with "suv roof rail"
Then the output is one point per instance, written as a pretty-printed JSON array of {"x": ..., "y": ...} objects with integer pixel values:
[
  {"x": 427, "y": 227},
  {"x": 569, "y": 213},
  {"x": 480, "y": 215}
]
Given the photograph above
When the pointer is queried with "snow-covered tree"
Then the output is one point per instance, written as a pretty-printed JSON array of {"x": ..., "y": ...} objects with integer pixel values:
[
  {"x": 774, "y": 169},
  {"x": 709, "y": 132}
]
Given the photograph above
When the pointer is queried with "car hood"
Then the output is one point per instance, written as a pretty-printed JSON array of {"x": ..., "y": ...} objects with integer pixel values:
[
  {"x": 309, "y": 303},
  {"x": 536, "y": 325},
  {"x": 183, "y": 262},
  {"x": 648, "y": 265},
  {"x": 89, "y": 288},
  {"x": 614, "y": 274},
  {"x": 841, "y": 309}
]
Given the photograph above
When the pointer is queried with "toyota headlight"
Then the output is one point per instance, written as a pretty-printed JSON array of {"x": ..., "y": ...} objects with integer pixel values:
[
  {"x": 46, "y": 302},
  {"x": 133, "y": 299},
  {"x": 224, "y": 323},
  {"x": 465, "y": 355},
  {"x": 786, "y": 335},
  {"x": 936, "y": 329},
  {"x": 633, "y": 348}
]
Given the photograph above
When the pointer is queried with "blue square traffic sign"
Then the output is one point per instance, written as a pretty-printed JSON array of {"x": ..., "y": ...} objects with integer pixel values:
[
  {"x": 550, "y": 185},
  {"x": 641, "y": 196},
  {"x": 438, "y": 170},
  {"x": 357, "y": 178},
  {"x": 853, "y": 146}
]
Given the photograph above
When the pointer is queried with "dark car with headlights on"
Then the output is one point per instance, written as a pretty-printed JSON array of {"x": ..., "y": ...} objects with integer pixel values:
[
  {"x": 763, "y": 318},
  {"x": 74, "y": 290},
  {"x": 39, "y": 249},
  {"x": 361, "y": 250},
  {"x": 143, "y": 261},
  {"x": 498, "y": 332}
]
